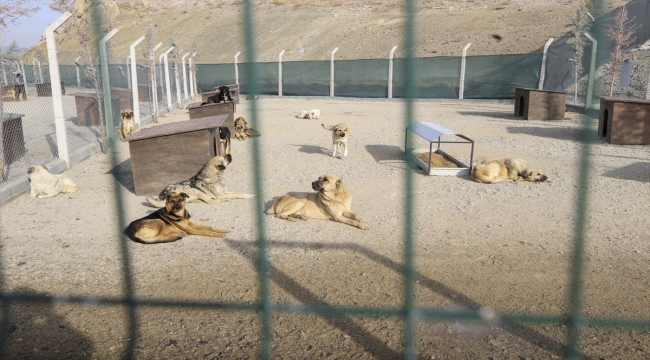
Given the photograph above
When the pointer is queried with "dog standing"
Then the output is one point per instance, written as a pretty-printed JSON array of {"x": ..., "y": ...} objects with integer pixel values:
[
  {"x": 340, "y": 136},
  {"x": 128, "y": 125},
  {"x": 224, "y": 140},
  {"x": 496, "y": 171},
  {"x": 170, "y": 223},
  {"x": 332, "y": 201},
  {"x": 206, "y": 186},
  {"x": 242, "y": 131},
  {"x": 45, "y": 185},
  {"x": 311, "y": 114}
]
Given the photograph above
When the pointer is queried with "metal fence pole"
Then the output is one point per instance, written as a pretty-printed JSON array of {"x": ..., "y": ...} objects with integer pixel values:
[
  {"x": 192, "y": 83},
  {"x": 178, "y": 87},
  {"x": 108, "y": 106},
  {"x": 134, "y": 81},
  {"x": 542, "y": 71},
  {"x": 592, "y": 71},
  {"x": 128, "y": 71},
  {"x": 76, "y": 62},
  {"x": 4, "y": 74},
  {"x": 40, "y": 73},
  {"x": 461, "y": 81},
  {"x": 154, "y": 85},
  {"x": 22, "y": 68},
  {"x": 168, "y": 90},
  {"x": 332, "y": 71},
  {"x": 280, "y": 73},
  {"x": 185, "y": 75},
  {"x": 57, "y": 93},
  {"x": 193, "y": 74},
  {"x": 390, "y": 72},
  {"x": 237, "y": 68}
]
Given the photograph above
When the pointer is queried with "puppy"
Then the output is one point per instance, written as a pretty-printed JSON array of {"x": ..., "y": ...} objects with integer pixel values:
[
  {"x": 224, "y": 140},
  {"x": 45, "y": 185},
  {"x": 170, "y": 223},
  {"x": 206, "y": 186},
  {"x": 496, "y": 171},
  {"x": 311, "y": 114},
  {"x": 242, "y": 131},
  {"x": 340, "y": 136},
  {"x": 128, "y": 125},
  {"x": 332, "y": 201}
]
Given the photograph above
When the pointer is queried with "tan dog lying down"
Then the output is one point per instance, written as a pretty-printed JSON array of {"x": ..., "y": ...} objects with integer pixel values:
[
  {"x": 332, "y": 201},
  {"x": 311, "y": 114},
  {"x": 496, "y": 171},
  {"x": 45, "y": 185}
]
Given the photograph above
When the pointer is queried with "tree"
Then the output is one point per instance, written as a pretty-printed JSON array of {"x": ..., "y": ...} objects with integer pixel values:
[
  {"x": 622, "y": 35},
  {"x": 10, "y": 12},
  {"x": 149, "y": 44},
  {"x": 577, "y": 28}
]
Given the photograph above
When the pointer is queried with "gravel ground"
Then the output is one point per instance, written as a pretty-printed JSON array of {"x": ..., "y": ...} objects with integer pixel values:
[{"x": 505, "y": 246}]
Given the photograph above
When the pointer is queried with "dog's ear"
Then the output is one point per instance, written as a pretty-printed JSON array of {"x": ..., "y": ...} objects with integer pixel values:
[
  {"x": 327, "y": 127},
  {"x": 167, "y": 196},
  {"x": 525, "y": 173},
  {"x": 31, "y": 169},
  {"x": 338, "y": 183},
  {"x": 184, "y": 195}
]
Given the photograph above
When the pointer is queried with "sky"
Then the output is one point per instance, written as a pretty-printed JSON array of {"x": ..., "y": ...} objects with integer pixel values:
[{"x": 29, "y": 30}]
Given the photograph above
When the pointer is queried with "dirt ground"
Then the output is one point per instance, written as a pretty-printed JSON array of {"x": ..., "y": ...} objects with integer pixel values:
[{"x": 504, "y": 246}]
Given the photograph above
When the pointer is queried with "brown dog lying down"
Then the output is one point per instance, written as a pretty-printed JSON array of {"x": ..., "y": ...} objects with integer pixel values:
[
  {"x": 171, "y": 223},
  {"x": 242, "y": 131},
  {"x": 332, "y": 201},
  {"x": 496, "y": 171}
]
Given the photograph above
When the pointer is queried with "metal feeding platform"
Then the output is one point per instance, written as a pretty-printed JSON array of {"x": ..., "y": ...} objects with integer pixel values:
[{"x": 433, "y": 132}]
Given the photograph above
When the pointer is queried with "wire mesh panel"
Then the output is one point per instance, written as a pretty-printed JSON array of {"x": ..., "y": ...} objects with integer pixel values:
[
  {"x": 361, "y": 78},
  {"x": 306, "y": 78},
  {"x": 497, "y": 76},
  {"x": 437, "y": 77}
]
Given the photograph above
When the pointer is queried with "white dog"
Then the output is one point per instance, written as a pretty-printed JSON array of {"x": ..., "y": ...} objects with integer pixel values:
[
  {"x": 340, "y": 136},
  {"x": 312, "y": 114},
  {"x": 45, "y": 185}
]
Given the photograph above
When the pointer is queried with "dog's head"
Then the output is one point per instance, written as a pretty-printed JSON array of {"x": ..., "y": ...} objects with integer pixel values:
[
  {"x": 327, "y": 183},
  {"x": 175, "y": 203},
  {"x": 225, "y": 92},
  {"x": 533, "y": 174},
  {"x": 314, "y": 114},
  {"x": 241, "y": 124},
  {"x": 220, "y": 162},
  {"x": 340, "y": 130},
  {"x": 127, "y": 114},
  {"x": 36, "y": 168}
]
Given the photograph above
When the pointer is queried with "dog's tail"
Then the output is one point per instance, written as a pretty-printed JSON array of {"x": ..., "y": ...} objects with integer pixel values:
[
  {"x": 252, "y": 132},
  {"x": 68, "y": 185},
  {"x": 156, "y": 201}
]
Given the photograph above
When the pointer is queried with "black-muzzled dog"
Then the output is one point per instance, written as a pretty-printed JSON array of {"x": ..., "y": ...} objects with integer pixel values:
[
  {"x": 224, "y": 140},
  {"x": 222, "y": 96}
]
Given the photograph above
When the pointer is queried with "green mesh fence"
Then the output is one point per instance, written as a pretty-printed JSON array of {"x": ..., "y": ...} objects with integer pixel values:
[
  {"x": 209, "y": 76},
  {"x": 497, "y": 76},
  {"x": 306, "y": 78},
  {"x": 266, "y": 81},
  {"x": 361, "y": 78},
  {"x": 437, "y": 77}
]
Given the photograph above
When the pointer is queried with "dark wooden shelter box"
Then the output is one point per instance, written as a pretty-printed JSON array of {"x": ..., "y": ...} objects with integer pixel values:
[
  {"x": 13, "y": 139},
  {"x": 15, "y": 92},
  {"x": 144, "y": 94},
  {"x": 534, "y": 104},
  {"x": 169, "y": 153},
  {"x": 624, "y": 121},
  {"x": 125, "y": 98},
  {"x": 233, "y": 89},
  {"x": 88, "y": 109},
  {"x": 45, "y": 89},
  {"x": 198, "y": 111}
]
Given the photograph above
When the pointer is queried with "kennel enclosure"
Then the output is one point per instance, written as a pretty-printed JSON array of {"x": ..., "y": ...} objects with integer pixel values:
[{"x": 433, "y": 132}]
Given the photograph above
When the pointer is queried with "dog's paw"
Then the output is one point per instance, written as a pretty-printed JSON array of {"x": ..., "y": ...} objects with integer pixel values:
[
  {"x": 363, "y": 225},
  {"x": 303, "y": 217},
  {"x": 182, "y": 234}
]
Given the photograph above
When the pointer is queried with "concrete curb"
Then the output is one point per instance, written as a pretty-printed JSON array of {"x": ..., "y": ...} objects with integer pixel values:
[{"x": 19, "y": 186}]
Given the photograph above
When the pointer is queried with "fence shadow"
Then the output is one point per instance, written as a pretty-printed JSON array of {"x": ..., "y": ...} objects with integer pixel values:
[
  {"x": 123, "y": 173},
  {"x": 44, "y": 334},
  {"x": 548, "y": 132},
  {"x": 312, "y": 149},
  {"x": 383, "y": 153},
  {"x": 491, "y": 114},
  {"x": 638, "y": 171}
]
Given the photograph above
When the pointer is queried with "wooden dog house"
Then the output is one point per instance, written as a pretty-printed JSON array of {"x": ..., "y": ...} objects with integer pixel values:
[
  {"x": 624, "y": 121},
  {"x": 15, "y": 92},
  {"x": 45, "y": 89},
  {"x": 125, "y": 98},
  {"x": 88, "y": 109},
  {"x": 534, "y": 104},
  {"x": 198, "y": 111},
  {"x": 169, "y": 153},
  {"x": 13, "y": 139}
]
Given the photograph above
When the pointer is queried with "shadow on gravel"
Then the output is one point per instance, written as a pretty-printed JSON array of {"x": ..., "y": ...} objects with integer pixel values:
[
  {"x": 123, "y": 173},
  {"x": 383, "y": 153},
  {"x": 358, "y": 333},
  {"x": 491, "y": 114},
  {"x": 638, "y": 171},
  {"x": 311, "y": 149},
  {"x": 36, "y": 331},
  {"x": 548, "y": 132}
]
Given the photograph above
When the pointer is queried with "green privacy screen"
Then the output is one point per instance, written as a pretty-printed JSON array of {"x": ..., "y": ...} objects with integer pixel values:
[
  {"x": 437, "y": 77},
  {"x": 267, "y": 78},
  {"x": 209, "y": 76},
  {"x": 306, "y": 78},
  {"x": 361, "y": 78},
  {"x": 497, "y": 76}
]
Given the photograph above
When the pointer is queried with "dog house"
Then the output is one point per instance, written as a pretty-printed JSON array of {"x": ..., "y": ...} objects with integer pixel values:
[
  {"x": 433, "y": 132},
  {"x": 13, "y": 139},
  {"x": 45, "y": 89},
  {"x": 15, "y": 92},
  {"x": 125, "y": 98},
  {"x": 146, "y": 95},
  {"x": 88, "y": 109},
  {"x": 169, "y": 153},
  {"x": 233, "y": 89},
  {"x": 535, "y": 104},
  {"x": 198, "y": 111},
  {"x": 624, "y": 121}
]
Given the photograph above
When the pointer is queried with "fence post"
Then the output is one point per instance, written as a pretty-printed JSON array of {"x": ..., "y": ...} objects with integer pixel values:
[
  {"x": 178, "y": 86},
  {"x": 22, "y": 68},
  {"x": 134, "y": 81},
  {"x": 128, "y": 72},
  {"x": 332, "y": 71},
  {"x": 185, "y": 75},
  {"x": 461, "y": 81},
  {"x": 193, "y": 73},
  {"x": 542, "y": 71},
  {"x": 168, "y": 89},
  {"x": 592, "y": 71},
  {"x": 4, "y": 73},
  {"x": 76, "y": 62},
  {"x": 390, "y": 72},
  {"x": 57, "y": 93},
  {"x": 192, "y": 83},
  {"x": 280, "y": 73},
  {"x": 108, "y": 106},
  {"x": 40, "y": 73},
  {"x": 237, "y": 68},
  {"x": 154, "y": 85}
]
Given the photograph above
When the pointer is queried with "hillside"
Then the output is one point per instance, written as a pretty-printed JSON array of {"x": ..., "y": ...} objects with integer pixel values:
[{"x": 310, "y": 30}]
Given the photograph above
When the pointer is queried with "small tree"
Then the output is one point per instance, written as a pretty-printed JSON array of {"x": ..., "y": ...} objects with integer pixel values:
[
  {"x": 175, "y": 55},
  {"x": 577, "y": 28},
  {"x": 149, "y": 44},
  {"x": 622, "y": 36},
  {"x": 10, "y": 12}
]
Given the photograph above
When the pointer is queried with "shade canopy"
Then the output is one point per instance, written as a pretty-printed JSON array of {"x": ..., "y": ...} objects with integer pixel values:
[{"x": 430, "y": 131}]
